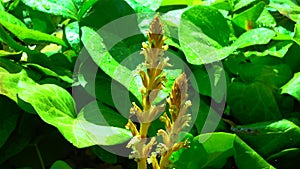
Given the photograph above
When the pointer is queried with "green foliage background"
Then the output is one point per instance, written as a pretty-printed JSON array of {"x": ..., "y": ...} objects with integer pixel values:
[{"x": 256, "y": 41}]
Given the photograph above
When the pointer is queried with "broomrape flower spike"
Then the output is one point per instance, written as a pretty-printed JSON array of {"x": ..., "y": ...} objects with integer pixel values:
[{"x": 153, "y": 79}]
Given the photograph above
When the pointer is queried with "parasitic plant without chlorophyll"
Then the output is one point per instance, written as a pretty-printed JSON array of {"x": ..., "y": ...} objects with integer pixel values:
[{"x": 152, "y": 73}]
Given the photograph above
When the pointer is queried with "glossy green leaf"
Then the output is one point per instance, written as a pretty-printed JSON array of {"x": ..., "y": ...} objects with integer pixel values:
[
  {"x": 287, "y": 8},
  {"x": 266, "y": 19},
  {"x": 182, "y": 2},
  {"x": 296, "y": 37},
  {"x": 104, "y": 155},
  {"x": 5, "y": 37},
  {"x": 211, "y": 79},
  {"x": 12, "y": 83},
  {"x": 72, "y": 31},
  {"x": 173, "y": 2},
  {"x": 208, "y": 20},
  {"x": 274, "y": 75},
  {"x": 19, "y": 29},
  {"x": 247, "y": 19},
  {"x": 252, "y": 102},
  {"x": 85, "y": 7},
  {"x": 242, "y": 3},
  {"x": 208, "y": 119},
  {"x": 287, "y": 158},
  {"x": 49, "y": 72},
  {"x": 207, "y": 154},
  {"x": 56, "y": 107},
  {"x": 101, "y": 114},
  {"x": 270, "y": 137},
  {"x": 28, "y": 125},
  {"x": 258, "y": 36},
  {"x": 118, "y": 72},
  {"x": 65, "y": 8},
  {"x": 292, "y": 87},
  {"x": 200, "y": 37},
  {"x": 278, "y": 49},
  {"x": 41, "y": 21},
  {"x": 144, "y": 6},
  {"x": 1, "y": 7},
  {"x": 106, "y": 11},
  {"x": 60, "y": 164},
  {"x": 106, "y": 62}
]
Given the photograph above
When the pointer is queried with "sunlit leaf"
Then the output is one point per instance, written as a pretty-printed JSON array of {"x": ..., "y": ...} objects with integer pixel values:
[
  {"x": 56, "y": 107},
  {"x": 65, "y": 8},
  {"x": 214, "y": 149},
  {"x": 293, "y": 86}
]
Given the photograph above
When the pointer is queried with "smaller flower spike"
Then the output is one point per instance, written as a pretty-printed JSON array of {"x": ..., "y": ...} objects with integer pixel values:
[{"x": 178, "y": 106}]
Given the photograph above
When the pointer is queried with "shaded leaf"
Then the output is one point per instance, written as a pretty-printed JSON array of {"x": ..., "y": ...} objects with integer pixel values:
[
  {"x": 270, "y": 137},
  {"x": 60, "y": 164},
  {"x": 252, "y": 102},
  {"x": 8, "y": 120}
]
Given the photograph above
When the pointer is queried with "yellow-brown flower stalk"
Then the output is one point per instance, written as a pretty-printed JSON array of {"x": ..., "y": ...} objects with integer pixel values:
[{"x": 153, "y": 79}]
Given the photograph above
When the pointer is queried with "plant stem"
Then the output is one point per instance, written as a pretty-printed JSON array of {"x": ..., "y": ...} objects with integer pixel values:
[
  {"x": 165, "y": 159},
  {"x": 142, "y": 163},
  {"x": 40, "y": 156},
  {"x": 144, "y": 129}
]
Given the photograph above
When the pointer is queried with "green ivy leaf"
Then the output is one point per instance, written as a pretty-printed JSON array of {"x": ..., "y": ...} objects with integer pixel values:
[
  {"x": 65, "y": 8},
  {"x": 292, "y": 87}
]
